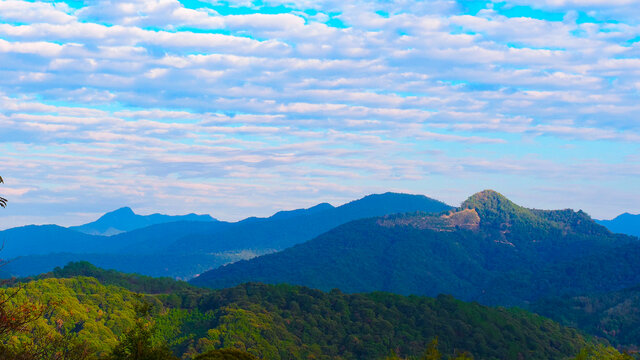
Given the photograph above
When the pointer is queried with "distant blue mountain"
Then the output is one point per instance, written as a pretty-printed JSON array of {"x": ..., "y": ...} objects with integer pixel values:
[
  {"x": 624, "y": 224},
  {"x": 190, "y": 244},
  {"x": 124, "y": 219},
  {"x": 45, "y": 239},
  {"x": 288, "y": 228}
]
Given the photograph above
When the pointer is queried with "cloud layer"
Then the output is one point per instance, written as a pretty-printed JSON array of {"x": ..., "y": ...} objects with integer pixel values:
[{"x": 246, "y": 108}]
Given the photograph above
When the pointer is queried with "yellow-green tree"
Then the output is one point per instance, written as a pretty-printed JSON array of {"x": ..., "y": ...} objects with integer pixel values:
[
  {"x": 432, "y": 352},
  {"x": 601, "y": 352}
]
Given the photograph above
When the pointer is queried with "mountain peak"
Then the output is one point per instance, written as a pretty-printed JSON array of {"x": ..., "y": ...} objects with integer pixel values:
[
  {"x": 495, "y": 210},
  {"x": 123, "y": 211},
  {"x": 487, "y": 199},
  {"x": 124, "y": 219}
]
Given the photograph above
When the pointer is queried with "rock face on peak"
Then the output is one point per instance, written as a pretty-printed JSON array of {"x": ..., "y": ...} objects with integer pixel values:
[
  {"x": 456, "y": 219},
  {"x": 124, "y": 219},
  {"x": 489, "y": 250}
]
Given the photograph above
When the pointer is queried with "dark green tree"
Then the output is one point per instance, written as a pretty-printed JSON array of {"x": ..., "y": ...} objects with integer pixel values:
[{"x": 225, "y": 354}]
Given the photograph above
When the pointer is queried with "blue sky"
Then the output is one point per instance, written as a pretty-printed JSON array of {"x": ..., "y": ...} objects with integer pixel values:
[{"x": 241, "y": 108}]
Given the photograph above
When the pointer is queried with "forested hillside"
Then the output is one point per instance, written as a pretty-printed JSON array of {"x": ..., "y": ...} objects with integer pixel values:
[
  {"x": 489, "y": 250},
  {"x": 277, "y": 322},
  {"x": 614, "y": 316}
]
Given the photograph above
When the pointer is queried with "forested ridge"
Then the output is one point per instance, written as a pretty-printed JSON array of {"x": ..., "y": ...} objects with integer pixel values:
[
  {"x": 274, "y": 322},
  {"x": 614, "y": 316},
  {"x": 488, "y": 250}
]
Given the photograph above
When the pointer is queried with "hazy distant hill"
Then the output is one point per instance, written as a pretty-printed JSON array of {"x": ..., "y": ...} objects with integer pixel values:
[
  {"x": 489, "y": 249},
  {"x": 182, "y": 266},
  {"x": 285, "y": 229},
  {"x": 45, "y": 239},
  {"x": 186, "y": 248},
  {"x": 124, "y": 219},
  {"x": 625, "y": 224}
]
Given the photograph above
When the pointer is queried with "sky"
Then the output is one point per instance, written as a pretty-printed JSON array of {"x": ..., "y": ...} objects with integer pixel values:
[{"x": 244, "y": 108}]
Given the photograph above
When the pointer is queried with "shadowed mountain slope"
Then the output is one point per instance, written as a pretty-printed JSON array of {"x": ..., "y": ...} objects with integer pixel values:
[
  {"x": 186, "y": 248},
  {"x": 286, "y": 229},
  {"x": 490, "y": 250},
  {"x": 44, "y": 239}
]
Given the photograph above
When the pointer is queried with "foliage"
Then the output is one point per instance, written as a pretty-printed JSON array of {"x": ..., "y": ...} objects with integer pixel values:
[
  {"x": 614, "y": 316},
  {"x": 95, "y": 314},
  {"x": 601, "y": 352},
  {"x": 225, "y": 354},
  {"x": 55, "y": 345},
  {"x": 284, "y": 322},
  {"x": 16, "y": 318},
  {"x": 295, "y": 322},
  {"x": 137, "y": 343}
]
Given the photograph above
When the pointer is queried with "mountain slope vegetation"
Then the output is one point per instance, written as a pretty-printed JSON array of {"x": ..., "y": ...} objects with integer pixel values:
[
  {"x": 285, "y": 322},
  {"x": 489, "y": 250},
  {"x": 614, "y": 316}
]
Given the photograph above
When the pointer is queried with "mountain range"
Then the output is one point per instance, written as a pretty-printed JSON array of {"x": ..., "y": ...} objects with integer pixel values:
[
  {"x": 124, "y": 219},
  {"x": 186, "y": 248},
  {"x": 488, "y": 250}
]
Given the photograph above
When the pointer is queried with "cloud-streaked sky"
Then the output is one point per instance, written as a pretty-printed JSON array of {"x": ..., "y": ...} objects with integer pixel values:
[{"x": 244, "y": 108}]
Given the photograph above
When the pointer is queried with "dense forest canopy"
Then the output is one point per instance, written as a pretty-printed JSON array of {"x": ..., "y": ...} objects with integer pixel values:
[{"x": 273, "y": 322}]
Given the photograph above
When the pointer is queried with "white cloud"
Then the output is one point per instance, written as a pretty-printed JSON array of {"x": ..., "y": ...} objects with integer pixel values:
[
  {"x": 202, "y": 108},
  {"x": 35, "y": 12}
]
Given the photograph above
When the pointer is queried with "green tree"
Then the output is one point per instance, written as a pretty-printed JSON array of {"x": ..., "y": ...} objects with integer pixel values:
[
  {"x": 137, "y": 343},
  {"x": 50, "y": 345},
  {"x": 225, "y": 354},
  {"x": 463, "y": 356},
  {"x": 392, "y": 356}
]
